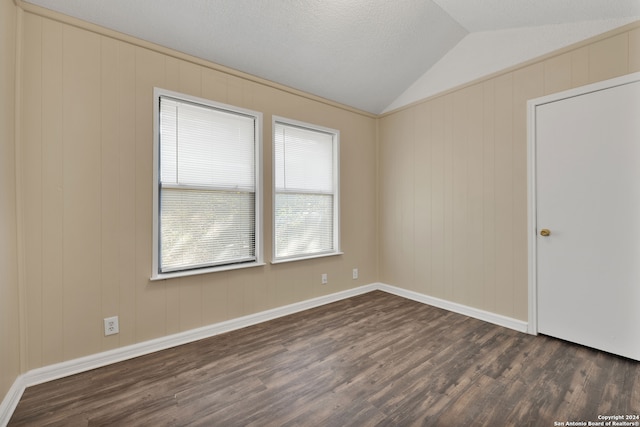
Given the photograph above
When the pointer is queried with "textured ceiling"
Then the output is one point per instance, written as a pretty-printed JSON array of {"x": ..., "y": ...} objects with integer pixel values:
[
  {"x": 362, "y": 53},
  {"x": 491, "y": 15}
]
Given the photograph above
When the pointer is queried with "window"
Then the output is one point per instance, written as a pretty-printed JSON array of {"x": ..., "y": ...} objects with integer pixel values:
[
  {"x": 306, "y": 191},
  {"x": 207, "y": 198}
]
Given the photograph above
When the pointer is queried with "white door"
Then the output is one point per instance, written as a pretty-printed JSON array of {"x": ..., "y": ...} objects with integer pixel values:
[{"x": 587, "y": 190}]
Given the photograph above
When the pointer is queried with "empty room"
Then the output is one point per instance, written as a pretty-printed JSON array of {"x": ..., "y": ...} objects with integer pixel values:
[{"x": 319, "y": 213}]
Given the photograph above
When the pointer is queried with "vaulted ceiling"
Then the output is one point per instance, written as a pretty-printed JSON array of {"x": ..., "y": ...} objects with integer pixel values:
[{"x": 362, "y": 53}]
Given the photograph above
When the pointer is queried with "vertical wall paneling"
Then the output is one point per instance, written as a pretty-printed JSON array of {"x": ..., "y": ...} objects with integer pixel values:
[
  {"x": 460, "y": 194},
  {"x": 448, "y": 188},
  {"x": 435, "y": 139},
  {"x": 10, "y": 328},
  {"x": 256, "y": 291},
  {"x": 406, "y": 147},
  {"x": 214, "y": 300},
  {"x": 557, "y": 73},
  {"x": 475, "y": 148},
  {"x": 580, "y": 67},
  {"x": 503, "y": 122},
  {"x": 489, "y": 226},
  {"x": 86, "y": 171},
  {"x": 440, "y": 201},
  {"x": 235, "y": 91},
  {"x": 190, "y": 307},
  {"x": 236, "y": 299},
  {"x": 634, "y": 50},
  {"x": 353, "y": 231},
  {"x": 151, "y": 298},
  {"x": 214, "y": 86},
  {"x": 609, "y": 58},
  {"x": 110, "y": 184},
  {"x": 126, "y": 233},
  {"x": 190, "y": 78},
  {"x": 53, "y": 193},
  {"x": 82, "y": 184},
  {"x": 475, "y": 217},
  {"x": 423, "y": 162},
  {"x": 31, "y": 170},
  {"x": 388, "y": 199}
]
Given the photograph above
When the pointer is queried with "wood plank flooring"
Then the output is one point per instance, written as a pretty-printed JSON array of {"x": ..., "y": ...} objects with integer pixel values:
[{"x": 372, "y": 360}]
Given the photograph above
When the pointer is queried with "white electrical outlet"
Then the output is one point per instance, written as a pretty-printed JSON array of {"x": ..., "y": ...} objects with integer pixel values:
[
  {"x": 355, "y": 273},
  {"x": 325, "y": 280},
  {"x": 111, "y": 325}
]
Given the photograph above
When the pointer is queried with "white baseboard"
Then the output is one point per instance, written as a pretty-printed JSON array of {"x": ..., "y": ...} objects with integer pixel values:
[
  {"x": 11, "y": 400},
  {"x": 82, "y": 364},
  {"x": 60, "y": 370},
  {"x": 496, "y": 319}
]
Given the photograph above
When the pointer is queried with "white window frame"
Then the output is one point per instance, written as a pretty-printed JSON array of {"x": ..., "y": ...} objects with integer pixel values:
[
  {"x": 156, "y": 274},
  {"x": 336, "y": 194}
]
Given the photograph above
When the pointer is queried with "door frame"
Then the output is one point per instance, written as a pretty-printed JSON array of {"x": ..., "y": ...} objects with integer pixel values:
[{"x": 532, "y": 233}]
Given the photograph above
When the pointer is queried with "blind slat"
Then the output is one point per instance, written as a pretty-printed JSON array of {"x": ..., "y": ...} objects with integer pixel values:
[
  {"x": 207, "y": 186},
  {"x": 206, "y": 228},
  {"x": 305, "y": 188},
  {"x": 304, "y": 224},
  {"x": 205, "y": 146},
  {"x": 304, "y": 159}
]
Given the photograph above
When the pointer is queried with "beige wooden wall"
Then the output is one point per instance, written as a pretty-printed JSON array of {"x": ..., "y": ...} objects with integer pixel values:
[
  {"x": 453, "y": 178},
  {"x": 85, "y": 160},
  {"x": 9, "y": 314},
  {"x": 452, "y": 189}
]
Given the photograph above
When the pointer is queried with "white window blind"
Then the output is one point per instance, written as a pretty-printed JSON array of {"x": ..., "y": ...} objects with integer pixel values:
[
  {"x": 207, "y": 186},
  {"x": 305, "y": 181}
]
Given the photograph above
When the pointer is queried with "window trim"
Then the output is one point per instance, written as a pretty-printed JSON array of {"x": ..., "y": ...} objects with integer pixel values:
[
  {"x": 336, "y": 194},
  {"x": 155, "y": 272}
]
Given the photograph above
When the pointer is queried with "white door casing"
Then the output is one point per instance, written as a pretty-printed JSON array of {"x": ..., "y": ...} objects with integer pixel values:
[{"x": 584, "y": 186}]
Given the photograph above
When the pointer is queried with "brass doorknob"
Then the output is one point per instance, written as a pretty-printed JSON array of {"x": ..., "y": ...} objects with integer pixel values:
[{"x": 544, "y": 232}]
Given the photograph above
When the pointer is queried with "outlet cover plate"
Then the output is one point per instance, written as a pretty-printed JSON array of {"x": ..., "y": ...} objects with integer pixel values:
[{"x": 111, "y": 325}]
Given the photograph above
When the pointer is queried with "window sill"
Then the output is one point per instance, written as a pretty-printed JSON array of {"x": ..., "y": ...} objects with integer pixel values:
[
  {"x": 301, "y": 258},
  {"x": 175, "y": 274}
]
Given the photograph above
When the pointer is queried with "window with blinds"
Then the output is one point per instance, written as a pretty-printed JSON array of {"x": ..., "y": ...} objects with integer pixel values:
[
  {"x": 207, "y": 199},
  {"x": 306, "y": 211}
]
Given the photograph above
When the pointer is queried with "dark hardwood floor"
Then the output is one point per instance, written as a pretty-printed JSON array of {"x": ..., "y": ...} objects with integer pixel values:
[{"x": 375, "y": 359}]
